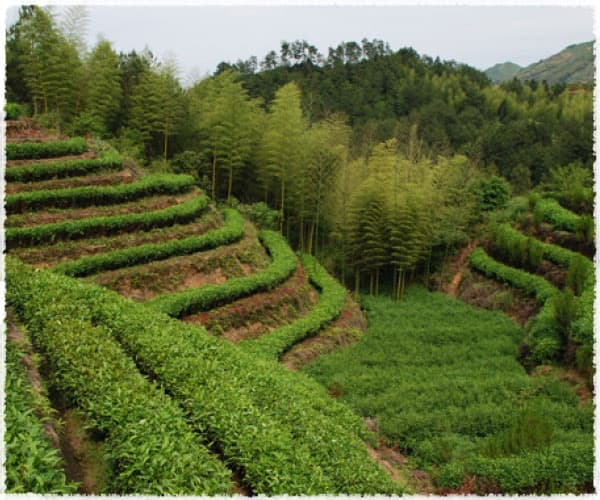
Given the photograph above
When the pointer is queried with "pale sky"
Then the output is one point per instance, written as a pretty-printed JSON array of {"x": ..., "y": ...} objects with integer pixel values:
[{"x": 202, "y": 36}]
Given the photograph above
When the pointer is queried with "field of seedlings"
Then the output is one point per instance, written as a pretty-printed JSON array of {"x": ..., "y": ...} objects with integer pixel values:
[{"x": 442, "y": 381}]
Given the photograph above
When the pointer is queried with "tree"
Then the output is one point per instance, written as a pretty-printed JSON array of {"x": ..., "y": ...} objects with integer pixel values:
[
  {"x": 103, "y": 82},
  {"x": 280, "y": 147},
  {"x": 157, "y": 105},
  {"x": 227, "y": 121}
]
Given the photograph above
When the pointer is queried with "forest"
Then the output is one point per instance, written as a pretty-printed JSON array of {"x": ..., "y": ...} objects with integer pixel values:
[{"x": 293, "y": 205}]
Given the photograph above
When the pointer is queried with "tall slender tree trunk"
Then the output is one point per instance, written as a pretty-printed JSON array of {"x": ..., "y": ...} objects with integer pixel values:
[
  {"x": 282, "y": 204},
  {"x": 311, "y": 235},
  {"x": 214, "y": 174},
  {"x": 230, "y": 185},
  {"x": 166, "y": 143}
]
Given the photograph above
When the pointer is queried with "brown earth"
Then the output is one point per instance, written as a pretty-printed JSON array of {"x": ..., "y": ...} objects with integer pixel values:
[
  {"x": 26, "y": 130},
  {"x": 457, "y": 269},
  {"x": 262, "y": 312},
  {"x": 342, "y": 332},
  {"x": 211, "y": 267},
  {"x": 63, "y": 251},
  {"x": 125, "y": 176},
  {"x": 85, "y": 461},
  {"x": 51, "y": 216}
]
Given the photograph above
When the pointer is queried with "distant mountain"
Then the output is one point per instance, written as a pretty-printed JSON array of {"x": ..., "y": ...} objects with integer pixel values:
[
  {"x": 575, "y": 64},
  {"x": 503, "y": 71}
]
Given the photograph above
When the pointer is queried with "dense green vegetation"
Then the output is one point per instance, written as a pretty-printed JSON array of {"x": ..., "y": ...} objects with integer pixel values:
[
  {"x": 82, "y": 228},
  {"x": 386, "y": 166},
  {"x": 33, "y": 150},
  {"x": 149, "y": 446},
  {"x": 98, "y": 195},
  {"x": 284, "y": 438},
  {"x": 310, "y": 134},
  {"x": 442, "y": 380},
  {"x": 59, "y": 169},
  {"x": 32, "y": 464},
  {"x": 502, "y": 71}
]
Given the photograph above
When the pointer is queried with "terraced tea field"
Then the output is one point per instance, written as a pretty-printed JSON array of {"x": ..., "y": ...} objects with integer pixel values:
[{"x": 99, "y": 256}]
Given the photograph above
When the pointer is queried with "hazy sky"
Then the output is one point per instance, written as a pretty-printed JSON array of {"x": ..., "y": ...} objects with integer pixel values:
[{"x": 200, "y": 36}]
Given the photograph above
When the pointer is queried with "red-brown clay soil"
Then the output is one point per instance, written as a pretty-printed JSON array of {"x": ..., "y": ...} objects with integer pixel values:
[
  {"x": 211, "y": 267},
  {"x": 253, "y": 316},
  {"x": 26, "y": 130},
  {"x": 457, "y": 268}
]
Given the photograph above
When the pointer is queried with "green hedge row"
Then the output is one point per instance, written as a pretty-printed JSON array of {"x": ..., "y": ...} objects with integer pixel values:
[
  {"x": 201, "y": 299},
  {"x": 111, "y": 224},
  {"x": 32, "y": 464},
  {"x": 561, "y": 467},
  {"x": 507, "y": 239},
  {"x": 52, "y": 149},
  {"x": 149, "y": 445},
  {"x": 284, "y": 438},
  {"x": 61, "y": 169},
  {"x": 86, "y": 196},
  {"x": 549, "y": 210},
  {"x": 529, "y": 283},
  {"x": 329, "y": 307},
  {"x": 232, "y": 231}
]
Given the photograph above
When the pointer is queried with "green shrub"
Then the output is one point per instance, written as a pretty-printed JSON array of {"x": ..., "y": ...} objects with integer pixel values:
[
  {"x": 27, "y": 150},
  {"x": 450, "y": 475},
  {"x": 565, "y": 310},
  {"x": 261, "y": 215},
  {"x": 82, "y": 228},
  {"x": 529, "y": 283},
  {"x": 14, "y": 111},
  {"x": 550, "y": 211},
  {"x": 86, "y": 196},
  {"x": 494, "y": 193},
  {"x": 61, "y": 169},
  {"x": 152, "y": 449},
  {"x": 32, "y": 464},
  {"x": 232, "y": 230},
  {"x": 579, "y": 270},
  {"x": 274, "y": 426},
  {"x": 329, "y": 307},
  {"x": 187, "y": 162},
  {"x": 207, "y": 297}
]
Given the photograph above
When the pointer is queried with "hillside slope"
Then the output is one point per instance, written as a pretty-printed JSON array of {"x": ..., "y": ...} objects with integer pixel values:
[
  {"x": 503, "y": 71},
  {"x": 574, "y": 64}
]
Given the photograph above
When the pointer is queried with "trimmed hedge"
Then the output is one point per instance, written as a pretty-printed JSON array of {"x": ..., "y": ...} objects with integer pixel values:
[
  {"x": 561, "y": 467},
  {"x": 201, "y": 299},
  {"x": 33, "y": 150},
  {"x": 32, "y": 464},
  {"x": 149, "y": 445},
  {"x": 506, "y": 239},
  {"x": 529, "y": 283},
  {"x": 329, "y": 307},
  {"x": 61, "y": 169},
  {"x": 285, "y": 438},
  {"x": 232, "y": 231},
  {"x": 551, "y": 211},
  {"x": 151, "y": 185},
  {"x": 93, "y": 226}
]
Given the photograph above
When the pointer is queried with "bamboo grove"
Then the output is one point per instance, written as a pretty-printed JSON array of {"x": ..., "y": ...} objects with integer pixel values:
[{"x": 380, "y": 178}]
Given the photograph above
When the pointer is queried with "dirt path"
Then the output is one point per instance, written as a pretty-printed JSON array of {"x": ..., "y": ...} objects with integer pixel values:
[{"x": 459, "y": 266}]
